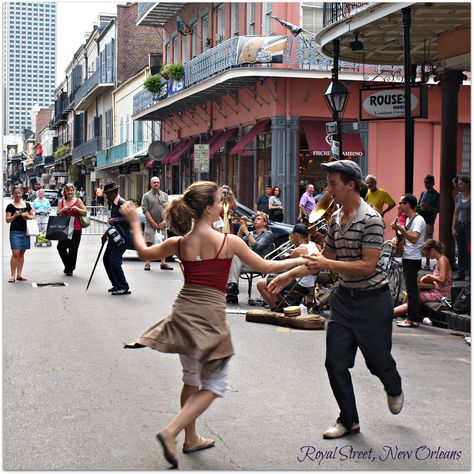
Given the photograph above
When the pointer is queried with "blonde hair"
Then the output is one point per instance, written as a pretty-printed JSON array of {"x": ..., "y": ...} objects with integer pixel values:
[
  {"x": 263, "y": 215},
  {"x": 181, "y": 211}
]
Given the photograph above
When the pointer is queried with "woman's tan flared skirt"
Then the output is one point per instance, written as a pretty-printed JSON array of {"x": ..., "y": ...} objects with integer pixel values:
[{"x": 197, "y": 327}]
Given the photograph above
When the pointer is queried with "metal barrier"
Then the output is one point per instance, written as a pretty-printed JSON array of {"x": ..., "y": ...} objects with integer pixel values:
[{"x": 99, "y": 216}]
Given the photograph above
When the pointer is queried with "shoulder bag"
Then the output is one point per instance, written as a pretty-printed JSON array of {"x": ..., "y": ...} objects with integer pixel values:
[{"x": 85, "y": 221}]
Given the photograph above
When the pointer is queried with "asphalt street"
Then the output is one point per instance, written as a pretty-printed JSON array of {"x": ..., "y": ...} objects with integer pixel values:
[{"x": 74, "y": 399}]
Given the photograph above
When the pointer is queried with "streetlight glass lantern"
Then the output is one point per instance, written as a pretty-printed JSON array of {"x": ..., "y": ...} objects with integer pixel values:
[{"x": 336, "y": 96}]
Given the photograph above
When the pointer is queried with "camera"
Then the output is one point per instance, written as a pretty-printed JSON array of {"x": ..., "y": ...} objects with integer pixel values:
[{"x": 114, "y": 235}]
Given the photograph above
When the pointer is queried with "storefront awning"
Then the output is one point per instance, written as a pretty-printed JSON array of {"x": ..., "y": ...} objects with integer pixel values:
[
  {"x": 178, "y": 154},
  {"x": 319, "y": 144},
  {"x": 238, "y": 149}
]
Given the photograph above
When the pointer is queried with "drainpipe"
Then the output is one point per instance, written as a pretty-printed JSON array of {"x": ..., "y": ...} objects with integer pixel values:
[{"x": 409, "y": 123}]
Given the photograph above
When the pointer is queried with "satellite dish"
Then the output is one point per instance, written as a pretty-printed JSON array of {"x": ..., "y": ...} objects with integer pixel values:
[{"x": 158, "y": 150}]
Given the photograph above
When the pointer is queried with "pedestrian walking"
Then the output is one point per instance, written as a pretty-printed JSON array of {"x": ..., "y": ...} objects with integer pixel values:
[
  {"x": 361, "y": 306},
  {"x": 153, "y": 205},
  {"x": 16, "y": 214},
  {"x": 68, "y": 248},
  {"x": 275, "y": 205},
  {"x": 306, "y": 204},
  {"x": 462, "y": 226},
  {"x": 263, "y": 200},
  {"x": 42, "y": 209},
  {"x": 113, "y": 255},
  {"x": 428, "y": 209},
  {"x": 99, "y": 195},
  {"x": 196, "y": 329},
  {"x": 413, "y": 233},
  {"x": 377, "y": 197}
]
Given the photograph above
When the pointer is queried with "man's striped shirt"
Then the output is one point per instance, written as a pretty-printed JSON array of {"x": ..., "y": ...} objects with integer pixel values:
[{"x": 364, "y": 230}]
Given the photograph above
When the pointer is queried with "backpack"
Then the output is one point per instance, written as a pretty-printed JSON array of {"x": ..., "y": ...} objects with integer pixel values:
[{"x": 462, "y": 302}]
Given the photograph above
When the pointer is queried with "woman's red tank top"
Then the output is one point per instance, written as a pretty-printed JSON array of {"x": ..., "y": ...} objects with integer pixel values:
[{"x": 212, "y": 272}]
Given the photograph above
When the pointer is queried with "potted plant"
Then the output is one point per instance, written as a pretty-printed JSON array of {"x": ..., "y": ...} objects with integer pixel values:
[
  {"x": 153, "y": 83},
  {"x": 172, "y": 71}
]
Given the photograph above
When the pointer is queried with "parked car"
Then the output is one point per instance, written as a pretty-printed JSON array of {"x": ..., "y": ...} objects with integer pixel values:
[
  {"x": 52, "y": 196},
  {"x": 281, "y": 231}
]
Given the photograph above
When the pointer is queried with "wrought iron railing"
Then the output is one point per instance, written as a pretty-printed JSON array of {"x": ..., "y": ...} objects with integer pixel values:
[
  {"x": 94, "y": 80},
  {"x": 335, "y": 11},
  {"x": 120, "y": 152},
  {"x": 87, "y": 148},
  {"x": 299, "y": 53}
]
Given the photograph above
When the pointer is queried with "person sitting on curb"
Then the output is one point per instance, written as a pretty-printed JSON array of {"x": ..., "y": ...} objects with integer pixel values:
[
  {"x": 433, "y": 286},
  {"x": 260, "y": 241},
  {"x": 299, "y": 288}
]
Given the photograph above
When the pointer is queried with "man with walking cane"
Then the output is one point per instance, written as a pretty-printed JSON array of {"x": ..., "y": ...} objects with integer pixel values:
[{"x": 120, "y": 238}]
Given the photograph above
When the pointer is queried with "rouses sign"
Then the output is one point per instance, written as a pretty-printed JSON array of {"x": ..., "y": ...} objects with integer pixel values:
[{"x": 384, "y": 104}]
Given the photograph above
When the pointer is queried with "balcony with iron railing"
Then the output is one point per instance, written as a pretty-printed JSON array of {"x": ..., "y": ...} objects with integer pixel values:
[
  {"x": 88, "y": 148},
  {"x": 299, "y": 54},
  {"x": 335, "y": 11},
  {"x": 97, "y": 84},
  {"x": 120, "y": 153}
]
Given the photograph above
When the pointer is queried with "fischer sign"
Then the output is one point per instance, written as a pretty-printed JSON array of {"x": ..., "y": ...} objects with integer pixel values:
[{"x": 380, "y": 104}]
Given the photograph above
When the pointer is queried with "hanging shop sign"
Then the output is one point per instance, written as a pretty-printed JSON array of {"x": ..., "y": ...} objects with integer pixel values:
[
  {"x": 129, "y": 168},
  {"x": 201, "y": 158},
  {"x": 60, "y": 173},
  {"x": 389, "y": 104},
  {"x": 260, "y": 49}
]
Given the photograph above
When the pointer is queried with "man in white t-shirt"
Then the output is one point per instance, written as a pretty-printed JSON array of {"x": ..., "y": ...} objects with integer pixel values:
[
  {"x": 414, "y": 233},
  {"x": 301, "y": 287}
]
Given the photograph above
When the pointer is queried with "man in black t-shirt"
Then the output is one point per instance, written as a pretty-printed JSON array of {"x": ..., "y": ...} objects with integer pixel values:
[
  {"x": 262, "y": 201},
  {"x": 428, "y": 208}
]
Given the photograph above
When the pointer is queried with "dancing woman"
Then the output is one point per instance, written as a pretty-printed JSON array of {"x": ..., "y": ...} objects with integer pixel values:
[{"x": 196, "y": 329}]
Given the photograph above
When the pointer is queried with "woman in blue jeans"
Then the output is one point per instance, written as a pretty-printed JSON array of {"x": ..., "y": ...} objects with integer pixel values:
[{"x": 462, "y": 226}]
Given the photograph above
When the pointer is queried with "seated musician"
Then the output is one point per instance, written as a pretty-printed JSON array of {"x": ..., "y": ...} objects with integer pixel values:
[
  {"x": 260, "y": 240},
  {"x": 297, "y": 289}
]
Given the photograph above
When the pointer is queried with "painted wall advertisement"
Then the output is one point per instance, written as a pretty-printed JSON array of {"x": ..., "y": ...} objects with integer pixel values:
[
  {"x": 260, "y": 49},
  {"x": 386, "y": 104}
]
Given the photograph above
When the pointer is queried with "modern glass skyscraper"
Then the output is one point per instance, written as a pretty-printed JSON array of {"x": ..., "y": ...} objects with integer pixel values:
[{"x": 29, "y": 60}]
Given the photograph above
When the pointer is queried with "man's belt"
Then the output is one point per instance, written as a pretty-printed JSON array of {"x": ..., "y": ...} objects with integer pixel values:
[{"x": 355, "y": 293}]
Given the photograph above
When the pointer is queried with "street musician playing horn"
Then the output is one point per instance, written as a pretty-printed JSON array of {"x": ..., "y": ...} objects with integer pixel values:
[
  {"x": 301, "y": 287},
  {"x": 361, "y": 306}
]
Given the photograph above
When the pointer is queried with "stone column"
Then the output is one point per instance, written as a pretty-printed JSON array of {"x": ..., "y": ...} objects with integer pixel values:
[
  {"x": 285, "y": 162},
  {"x": 450, "y": 82}
]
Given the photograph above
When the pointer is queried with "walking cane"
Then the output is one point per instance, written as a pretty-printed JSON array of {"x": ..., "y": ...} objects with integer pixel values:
[{"x": 95, "y": 265}]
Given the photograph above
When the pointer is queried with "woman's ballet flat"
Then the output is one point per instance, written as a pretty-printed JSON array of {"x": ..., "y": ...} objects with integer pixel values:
[
  {"x": 169, "y": 447},
  {"x": 201, "y": 443}
]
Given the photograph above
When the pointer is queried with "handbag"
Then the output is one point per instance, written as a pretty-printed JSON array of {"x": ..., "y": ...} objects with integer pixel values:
[
  {"x": 32, "y": 228},
  {"x": 158, "y": 237},
  {"x": 85, "y": 221},
  {"x": 60, "y": 228}
]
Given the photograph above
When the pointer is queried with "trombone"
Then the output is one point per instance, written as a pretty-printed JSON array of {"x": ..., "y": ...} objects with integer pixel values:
[{"x": 318, "y": 219}]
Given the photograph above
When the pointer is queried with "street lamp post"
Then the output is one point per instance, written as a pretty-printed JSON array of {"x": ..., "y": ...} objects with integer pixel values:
[{"x": 336, "y": 94}]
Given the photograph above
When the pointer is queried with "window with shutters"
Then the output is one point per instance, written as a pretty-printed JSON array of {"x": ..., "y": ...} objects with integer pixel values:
[
  {"x": 250, "y": 18},
  {"x": 267, "y": 26},
  {"x": 108, "y": 128},
  {"x": 220, "y": 24},
  {"x": 127, "y": 128},
  {"x": 138, "y": 135},
  {"x": 234, "y": 19},
  {"x": 466, "y": 150},
  {"x": 121, "y": 129},
  {"x": 312, "y": 13},
  {"x": 194, "y": 40},
  {"x": 205, "y": 32}
]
